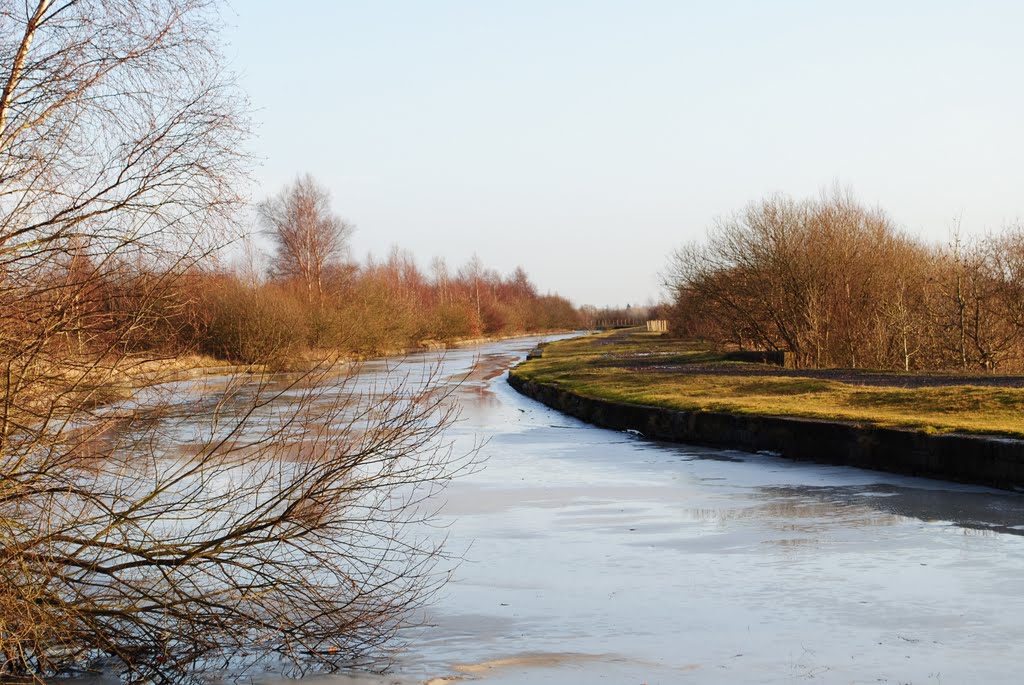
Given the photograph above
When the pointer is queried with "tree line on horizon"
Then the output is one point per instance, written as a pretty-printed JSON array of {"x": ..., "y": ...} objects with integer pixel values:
[
  {"x": 839, "y": 284},
  {"x": 305, "y": 298}
]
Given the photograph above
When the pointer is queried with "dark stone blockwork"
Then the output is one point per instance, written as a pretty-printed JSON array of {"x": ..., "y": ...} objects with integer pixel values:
[{"x": 980, "y": 459}]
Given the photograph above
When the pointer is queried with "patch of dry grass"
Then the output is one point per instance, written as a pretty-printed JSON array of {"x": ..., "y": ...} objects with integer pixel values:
[
  {"x": 648, "y": 369},
  {"x": 47, "y": 388}
]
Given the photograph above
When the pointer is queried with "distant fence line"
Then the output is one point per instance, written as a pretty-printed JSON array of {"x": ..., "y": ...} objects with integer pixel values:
[
  {"x": 654, "y": 326},
  {"x": 617, "y": 323}
]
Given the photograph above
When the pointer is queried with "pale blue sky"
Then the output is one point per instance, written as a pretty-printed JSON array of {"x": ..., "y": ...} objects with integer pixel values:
[{"x": 585, "y": 140}]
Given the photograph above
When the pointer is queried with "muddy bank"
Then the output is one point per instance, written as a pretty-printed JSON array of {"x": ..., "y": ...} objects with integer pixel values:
[{"x": 984, "y": 460}]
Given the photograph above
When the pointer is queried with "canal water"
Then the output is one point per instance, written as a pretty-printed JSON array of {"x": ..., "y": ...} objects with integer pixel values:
[{"x": 597, "y": 556}]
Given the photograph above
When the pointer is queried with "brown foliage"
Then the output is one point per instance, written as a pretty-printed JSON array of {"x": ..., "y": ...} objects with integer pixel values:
[
  {"x": 839, "y": 285},
  {"x": 372, "y": 309}
]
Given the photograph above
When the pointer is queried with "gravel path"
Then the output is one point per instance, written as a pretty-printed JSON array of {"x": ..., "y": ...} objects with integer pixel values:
[{"x": 886, "y": 379}]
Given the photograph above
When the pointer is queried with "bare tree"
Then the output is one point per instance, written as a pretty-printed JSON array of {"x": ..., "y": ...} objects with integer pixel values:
[
  {"x": 279, "y": 521},
  {"x": 441, "y": 278},
  {"x": 815, "y": 278},
  {"x": 473, "y": 273},
  {"x": 116, "y": 123},
  {"x": 119, "y": 152},
  {"x": 308, "y": 235},
  {"x": 169, "y": 528}
]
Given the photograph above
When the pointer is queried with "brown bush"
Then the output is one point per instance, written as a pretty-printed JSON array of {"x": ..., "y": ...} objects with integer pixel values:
[
  {"x": 838, "y": 284},
  {"x": 248, "y": 325}
]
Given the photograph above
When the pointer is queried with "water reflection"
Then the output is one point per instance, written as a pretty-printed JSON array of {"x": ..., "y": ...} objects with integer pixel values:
[{"x": 976, "y": 510}]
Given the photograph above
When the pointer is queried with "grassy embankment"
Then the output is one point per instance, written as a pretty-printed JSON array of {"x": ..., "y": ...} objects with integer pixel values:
[
  {"x": 650, "y": 369},
  {"x": 82, "y": 383}
]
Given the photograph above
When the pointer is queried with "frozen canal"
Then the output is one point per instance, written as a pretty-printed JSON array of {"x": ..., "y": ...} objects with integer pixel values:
[{"x": 596, "y": 556}]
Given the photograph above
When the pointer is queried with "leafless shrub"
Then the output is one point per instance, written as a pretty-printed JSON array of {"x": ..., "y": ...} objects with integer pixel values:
[
  {"x": 838, "y": 284},
  {"x": 254, "y": 325},
  {"x": 270, "y": 516}
]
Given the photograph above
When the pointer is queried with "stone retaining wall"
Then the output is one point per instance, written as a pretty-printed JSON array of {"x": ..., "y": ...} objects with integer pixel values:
[{"x": 984, "y": 460}]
